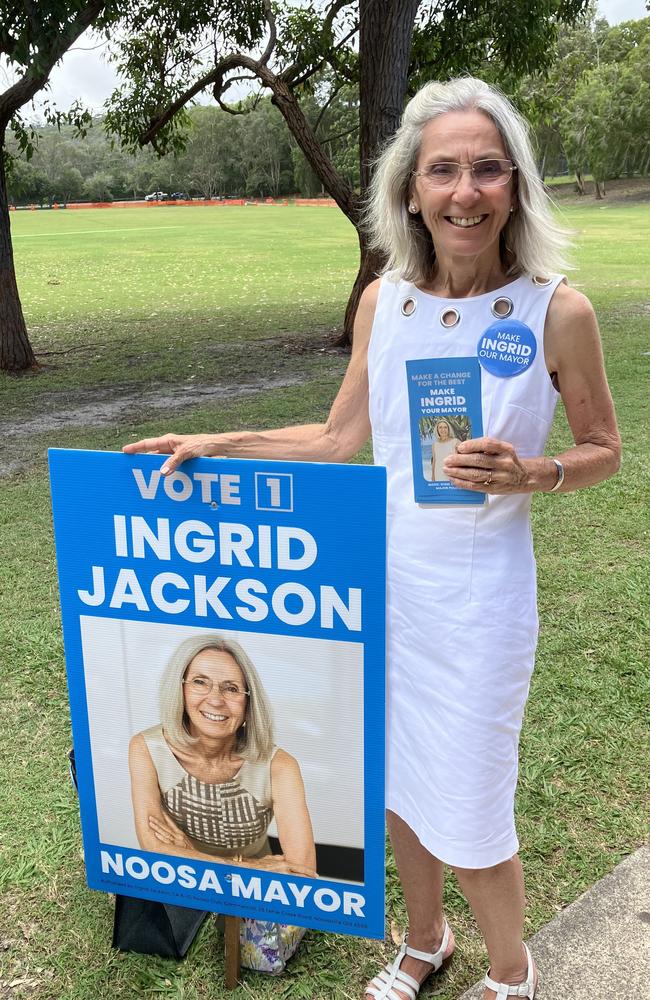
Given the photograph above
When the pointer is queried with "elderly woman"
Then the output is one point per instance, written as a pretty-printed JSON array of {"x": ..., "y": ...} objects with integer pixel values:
[
  {"x": 444, "y": 444},
  {"x": 459, "y": 210},
  {"x": 208, "y": 780}
]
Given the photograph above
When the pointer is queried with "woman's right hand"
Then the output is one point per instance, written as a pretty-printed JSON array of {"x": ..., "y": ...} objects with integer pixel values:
[
  {"x": 181, "y": 447},
  {"x": 167, "y": 832}
]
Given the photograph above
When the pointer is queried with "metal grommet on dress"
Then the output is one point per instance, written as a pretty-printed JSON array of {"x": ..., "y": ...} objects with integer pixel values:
[
  {"x": 408, "y": 306},
  {"x": 502, "y": 307},
  {"x": 541, "y": 282},
  {"x": 450, "y": 317}
]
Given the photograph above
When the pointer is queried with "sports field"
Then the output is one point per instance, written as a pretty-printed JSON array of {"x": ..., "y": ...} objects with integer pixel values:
[{"x": 152, "y": 320}]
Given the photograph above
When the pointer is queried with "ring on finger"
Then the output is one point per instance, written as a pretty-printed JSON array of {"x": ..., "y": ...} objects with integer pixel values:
[{"x": 487, "y": 482}]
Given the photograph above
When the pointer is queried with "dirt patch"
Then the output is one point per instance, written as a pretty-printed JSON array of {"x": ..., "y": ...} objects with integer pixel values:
[
  {"x": 619, "y": 191},
  {"x": 115, "y": 405}
]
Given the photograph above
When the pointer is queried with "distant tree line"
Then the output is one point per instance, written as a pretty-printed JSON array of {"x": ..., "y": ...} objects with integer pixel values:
[
  {"x": 249, "y": 155},
  {"x": 590, "y": 111}
]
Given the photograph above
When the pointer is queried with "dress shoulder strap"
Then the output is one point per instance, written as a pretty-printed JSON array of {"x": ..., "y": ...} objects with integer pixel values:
[
  {"x": 169, "y": 771},
  {"x": 255, "y": 777}
]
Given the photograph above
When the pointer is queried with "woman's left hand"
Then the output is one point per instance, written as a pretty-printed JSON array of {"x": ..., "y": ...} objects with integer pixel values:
[{"x": 487, "y": 465}]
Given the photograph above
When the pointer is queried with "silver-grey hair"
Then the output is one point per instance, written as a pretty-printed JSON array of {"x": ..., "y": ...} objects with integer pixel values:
[
  {"x": 532, "y": 242},
  {"x": 255, "y": 738}
]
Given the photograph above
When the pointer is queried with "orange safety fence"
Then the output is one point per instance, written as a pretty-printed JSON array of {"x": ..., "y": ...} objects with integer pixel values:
[
  {"x": 214, "y": 202},
  {"x": 316, "y": 202}
]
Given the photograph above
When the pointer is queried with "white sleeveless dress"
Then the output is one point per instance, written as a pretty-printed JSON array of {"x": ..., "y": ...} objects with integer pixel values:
[{"x": 462, "y": 614}]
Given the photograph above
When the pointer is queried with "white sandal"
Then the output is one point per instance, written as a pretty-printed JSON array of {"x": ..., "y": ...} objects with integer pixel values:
[
  {"x": 391, "y": 977},
  {"x": 525, "y": 989}
]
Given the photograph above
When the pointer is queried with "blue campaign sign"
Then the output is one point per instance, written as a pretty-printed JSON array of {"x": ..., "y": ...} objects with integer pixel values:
[{"x": 224, "y": 635}]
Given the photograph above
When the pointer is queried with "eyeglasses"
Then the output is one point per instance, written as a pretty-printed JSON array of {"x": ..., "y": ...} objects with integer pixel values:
[
  {"x": 485, "y": 173},
  {"x": 227, "y": 689}
]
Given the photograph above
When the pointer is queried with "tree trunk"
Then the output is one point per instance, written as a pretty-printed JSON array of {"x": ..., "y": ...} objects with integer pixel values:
[
  {"x": 370, "y": 266},
  {"x": 285, "y": 100},
  {"x": 16, "y": 354},
  {"x": 599, "y": 189},
  {"x": 580, "y": 184},
  {"x": 385, "y": 32}
]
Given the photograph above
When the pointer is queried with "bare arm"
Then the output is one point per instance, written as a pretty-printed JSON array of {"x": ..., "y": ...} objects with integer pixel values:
[
  {"x": 574, "y": 357},
  {"x": 345, "y": 431},
  {"x": 148, "y": 812},
  {"x": 291, "y": 813},
  {"x": 574, "y": 354}
]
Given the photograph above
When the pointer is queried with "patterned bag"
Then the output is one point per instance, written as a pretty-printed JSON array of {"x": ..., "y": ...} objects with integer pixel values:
[{"x": 267, "y": 947}]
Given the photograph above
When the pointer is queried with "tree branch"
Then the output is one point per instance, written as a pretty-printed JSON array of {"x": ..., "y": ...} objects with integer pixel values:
[
  {"x": 335, "y": 92},
  {"x": 340, "y": 135},
  {"x": 28, "y": 7},
  {"x": 287, "y": 74},
  {"x": 273, "y": 33},
  {"x": 228, "y": 108},
  {"x": 287, "y": 103},
  {"x": 237, "y": 60}
]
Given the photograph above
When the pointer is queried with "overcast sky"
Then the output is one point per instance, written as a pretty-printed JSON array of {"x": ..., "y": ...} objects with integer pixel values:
[{"x": 84, "y": 74}]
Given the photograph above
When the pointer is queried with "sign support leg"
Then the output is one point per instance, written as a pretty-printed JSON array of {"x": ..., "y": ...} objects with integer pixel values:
[{"x": 232, "y": 951}]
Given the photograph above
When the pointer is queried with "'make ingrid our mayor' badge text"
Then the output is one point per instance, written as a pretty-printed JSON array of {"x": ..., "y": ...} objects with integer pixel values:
[{"x": 507, "y": 348}]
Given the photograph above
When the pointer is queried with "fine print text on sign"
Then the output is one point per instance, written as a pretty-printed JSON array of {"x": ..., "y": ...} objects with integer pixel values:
[{"x": 234, "y": 604}]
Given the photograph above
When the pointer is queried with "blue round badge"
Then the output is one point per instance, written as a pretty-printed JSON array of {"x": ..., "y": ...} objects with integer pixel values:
[{"x": 507, "y": 348}]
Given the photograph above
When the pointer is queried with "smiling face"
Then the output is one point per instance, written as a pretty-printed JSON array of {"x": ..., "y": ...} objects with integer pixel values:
[
  {"x": 210, "y": 714},
  {"x": 442, "y": 430},
  {"x": 464, "y": 220}
]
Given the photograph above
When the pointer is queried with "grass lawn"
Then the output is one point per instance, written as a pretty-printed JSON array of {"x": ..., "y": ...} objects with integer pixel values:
[
  {"x": 138, "y": 297},
  {"x": 127, "y": 302}
]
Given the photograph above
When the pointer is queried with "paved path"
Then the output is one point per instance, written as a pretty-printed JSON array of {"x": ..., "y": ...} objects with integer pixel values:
[{"x": 599, "y": 947}]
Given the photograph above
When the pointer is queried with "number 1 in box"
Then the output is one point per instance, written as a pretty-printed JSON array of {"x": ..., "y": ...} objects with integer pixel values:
[{"x": 274, "y": 491}]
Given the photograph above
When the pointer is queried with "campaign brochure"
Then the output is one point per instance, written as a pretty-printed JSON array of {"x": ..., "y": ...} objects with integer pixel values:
[
  {"x": 444, "y": 397},
  {"x": 224, "y": 632}
]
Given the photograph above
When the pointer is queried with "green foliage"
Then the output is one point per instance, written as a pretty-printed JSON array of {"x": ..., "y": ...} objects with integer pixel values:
[
  {"x": 332, "y": 110},
  {"x": 98, "y": 187},
  {"x": 32, "y": 38},
  {"x": 164, "y": 48},
  {"x": 70, "y": 183},
  {"x": 223, "y": 155},
  {"x": 591, "y": 108},
  {"x": 30, "y": 31},
  {"x": 606, "y": 124},
  {"x": 25, "y": 136},
  {"x": 486, "y": 37},
  {"x": 166, "y": 63},
  {"x": 27, "y": 184}
]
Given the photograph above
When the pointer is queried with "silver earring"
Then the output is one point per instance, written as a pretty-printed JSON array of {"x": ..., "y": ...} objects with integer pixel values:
[
  {"x": 512, "y": 208},
  {"x": 413, "y": 208}
]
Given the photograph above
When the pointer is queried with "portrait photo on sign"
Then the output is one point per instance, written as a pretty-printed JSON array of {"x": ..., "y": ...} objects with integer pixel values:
[
  {"x": 439, "y": 437},
  {"x": 236, "y": 747}
]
